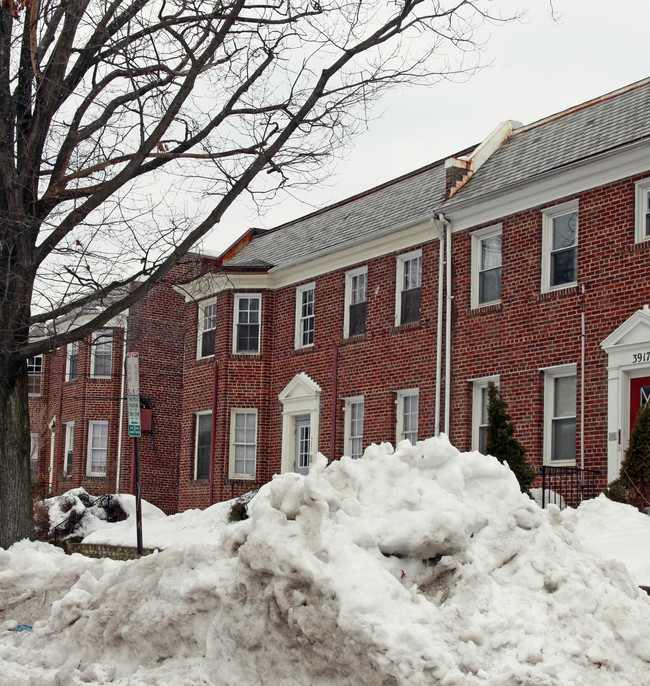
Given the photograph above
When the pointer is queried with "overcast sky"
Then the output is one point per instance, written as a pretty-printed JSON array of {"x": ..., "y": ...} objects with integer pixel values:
[{"x": 537, "y": 67}]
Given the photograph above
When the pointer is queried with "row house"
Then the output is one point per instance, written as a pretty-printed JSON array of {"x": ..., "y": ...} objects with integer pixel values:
[
  {"x": 78, "y": 409},
  {"x": 524, "y": 261}
]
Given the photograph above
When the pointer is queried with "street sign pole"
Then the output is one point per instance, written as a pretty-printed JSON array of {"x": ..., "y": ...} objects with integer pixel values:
[{"x": 135, "y": 431}]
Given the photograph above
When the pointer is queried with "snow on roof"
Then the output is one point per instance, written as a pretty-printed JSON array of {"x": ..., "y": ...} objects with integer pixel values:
[{"x": 409, "y": 567}]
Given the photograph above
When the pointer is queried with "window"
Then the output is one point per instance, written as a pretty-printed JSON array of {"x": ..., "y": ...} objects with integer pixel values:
[
  {"x": 354, "y": 427},
  {"x": 102, "y": 354},
  {"x": 243, "y": 443},
  {"x": 560, "y": 414},
  {"x": 560, "y": 246},
  {"x": 642, "y": 203},
  {"x": 479, "y": 411},
  {"x": 97, "y": 448},
  {"x": 34, "y": 374},
  {"x": 409, "y": 287},
  {"x": 246, "y": 337},
  {"x": 305, "y": 315},
  {"x": 407, "y": 415},
  {"x": 356, "y": 296},
  {"x": 69, "y": 447},
  {"x": 207, "y": 329},
  {"x": 203, "y": 445},
  {"x": 486, "y": 266},
  {"x": 33, "y": 454},
  {"x": 72, "y": 361}
]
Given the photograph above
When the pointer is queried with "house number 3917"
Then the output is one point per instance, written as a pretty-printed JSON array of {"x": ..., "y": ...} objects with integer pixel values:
[{"x": 640, "y": 357}]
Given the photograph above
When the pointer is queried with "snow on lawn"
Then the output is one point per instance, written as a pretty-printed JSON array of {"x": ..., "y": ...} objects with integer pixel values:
[{"x": 418, "y": 566}]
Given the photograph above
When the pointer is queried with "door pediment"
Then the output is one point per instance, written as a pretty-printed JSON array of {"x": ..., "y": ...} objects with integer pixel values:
[{"x": 631, "y": 333}]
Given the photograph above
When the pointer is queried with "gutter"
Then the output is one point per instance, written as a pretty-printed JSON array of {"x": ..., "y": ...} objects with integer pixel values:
[
  {"x": 449, "y": 298},
  {"x": 441, "y": 270}
]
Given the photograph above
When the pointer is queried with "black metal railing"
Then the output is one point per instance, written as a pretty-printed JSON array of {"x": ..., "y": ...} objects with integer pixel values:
[{"x": 567, "y": 486}]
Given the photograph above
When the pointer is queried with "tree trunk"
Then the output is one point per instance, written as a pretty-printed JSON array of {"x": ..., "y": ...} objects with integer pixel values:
[{"x": 16, "y": 519}]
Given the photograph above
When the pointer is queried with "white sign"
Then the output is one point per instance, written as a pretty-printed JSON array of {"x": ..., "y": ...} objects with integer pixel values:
[
  {"x": 133, "y": 404},
  {"x": 133, "y": 373}
]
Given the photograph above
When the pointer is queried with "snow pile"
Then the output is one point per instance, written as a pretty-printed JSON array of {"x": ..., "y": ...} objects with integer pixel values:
[{"x": 419, "y": 566}]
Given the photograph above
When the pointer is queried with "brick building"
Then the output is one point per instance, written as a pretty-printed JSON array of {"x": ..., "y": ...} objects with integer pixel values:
[
  {"x": 78, "y": 407},
  {"x": 525, "y": 261}
]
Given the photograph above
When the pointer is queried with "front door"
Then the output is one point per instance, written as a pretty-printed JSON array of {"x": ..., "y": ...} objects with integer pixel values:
[
  {"x": 639, "y": 395},
  {"x": 303, "y": 444}
]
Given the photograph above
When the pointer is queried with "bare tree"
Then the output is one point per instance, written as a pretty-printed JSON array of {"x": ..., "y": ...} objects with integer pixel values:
[{"x": 128, "y": 128}]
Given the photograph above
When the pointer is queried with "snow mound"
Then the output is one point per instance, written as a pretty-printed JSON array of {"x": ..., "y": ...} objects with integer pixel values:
[{"x": 416, "y": 566}]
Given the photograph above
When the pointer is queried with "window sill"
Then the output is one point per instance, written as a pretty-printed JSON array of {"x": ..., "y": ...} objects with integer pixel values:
[
  {"x": 241, "y": 477},
  {"x": 350, "y": 340},
  {"x": 488, "y": 308},
  {"x": 96, "y": 475},
  {"x": 405, "y": 327},
  {"x": 571, "y": 289},
  {"x": 195, "y": 483},
  {"x": 640, "y": 246},
  {"x": 303, "y": 350}
]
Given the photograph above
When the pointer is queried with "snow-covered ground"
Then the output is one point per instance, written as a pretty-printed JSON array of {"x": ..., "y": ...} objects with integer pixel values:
[{"x": 415, "y": 566}]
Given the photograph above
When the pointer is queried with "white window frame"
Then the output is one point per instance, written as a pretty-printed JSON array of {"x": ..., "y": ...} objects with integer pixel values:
[
  {"x": 641, "y": 205},
  {"x": 349, "y": 282},
  {"x": 301, "y": 320},
  {"x": 204, "y": 413},
  {"x": 548, "y": 216},
  {"x": 550, "y": 375},
  {"x": 233, "y": 474},
  {"x": 350, "y": 435},
  {"x": 202, "y": 328},
  {"x": 69, "y": 350},
  {"x": 477, "y": 240},
  {"x": 92, "y": 424},
  {"x": 399, "y": 282},
  {"x": 399, "y": 403},
  {"x": 68, "y": 447},
  {"x": 478, "y": 386},
  {"x": 235, "y": 323},
  {"x": 107, "y": 342},
  {"x": 33, "y": 375}
]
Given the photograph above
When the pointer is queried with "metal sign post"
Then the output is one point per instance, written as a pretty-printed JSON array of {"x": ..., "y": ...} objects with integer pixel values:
[{"x": 135, "y": 431}]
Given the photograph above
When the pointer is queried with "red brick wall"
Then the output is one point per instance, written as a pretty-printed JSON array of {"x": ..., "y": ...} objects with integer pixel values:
[{"x": 526, "y": 332}]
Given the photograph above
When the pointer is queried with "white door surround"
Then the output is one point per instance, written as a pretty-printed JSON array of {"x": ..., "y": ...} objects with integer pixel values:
[
  {"x": 628, "y": 351},
  {"x": 301, "y": 396}
]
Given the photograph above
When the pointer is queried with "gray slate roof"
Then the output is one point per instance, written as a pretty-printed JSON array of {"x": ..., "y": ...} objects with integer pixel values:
[
  {"x": 569, "y": 138},
  {"x": 359, "y": 218},
  {"x": 532, "y": 150}
]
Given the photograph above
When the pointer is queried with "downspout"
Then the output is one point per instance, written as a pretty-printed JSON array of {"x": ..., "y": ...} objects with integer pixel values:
[
  {"x": 441, "y": 276},
  {"x": 582, "y": 382},
  {"x": 447, "y": 224},
  {"x": 119, "y": 434},
  {"x": 335, "y": 393},
  {"x": 213, "y": 428},
  {"x": 59, "y": 430}
]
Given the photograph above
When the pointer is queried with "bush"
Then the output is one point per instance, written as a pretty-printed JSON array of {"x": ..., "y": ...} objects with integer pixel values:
[
  {"x": 635, "y": 468},
  {"x": 238, "y": 511},
  {"x": 501, "y": 442},
  {"x": 616, "y": 491}
]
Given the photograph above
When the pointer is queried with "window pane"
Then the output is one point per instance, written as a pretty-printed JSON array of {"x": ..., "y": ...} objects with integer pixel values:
[
  {"x": 565, "y": 231},
  {"x": 34, "y": 374},
  {"x": 359, "y": 285},
  {"x": 203, "y": 441},
  {"x": 207, "y": 343},
  {"x": 410, "y": 306},
  {"x": 412, "y": 273},
  {"x": 565, "y": 397},
  {"x": 564, "y": 267},
  {"x": 358, "y": 319},
  {"x": 489, "y": 285},
  {"x": 564, "y": 439},
  {"x": 248, "y": 327},
  {"x": 491, "y": 252}
]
